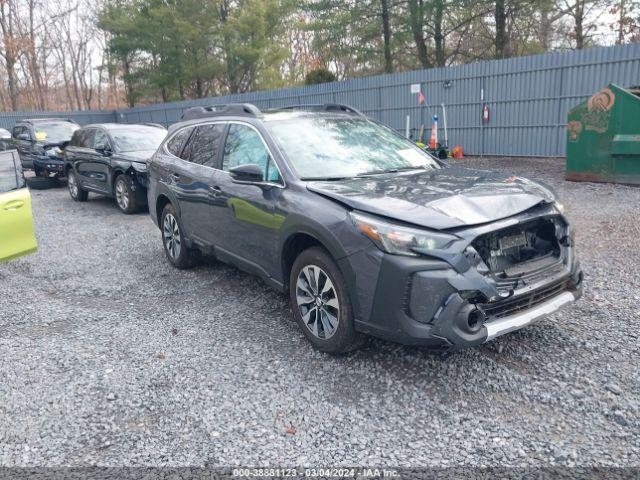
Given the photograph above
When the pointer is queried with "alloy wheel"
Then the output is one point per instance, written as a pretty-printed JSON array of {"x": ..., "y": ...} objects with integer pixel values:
[
  {"x": 317, "y": 301},
  {"x": 171, "y": 236},
  {"x": 73, "y": 185},
  {"x": 122, "y": 194}
]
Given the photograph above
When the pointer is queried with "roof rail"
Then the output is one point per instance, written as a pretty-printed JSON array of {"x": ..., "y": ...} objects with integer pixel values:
[
  {"x": 46, "y": 119},
  {"x": 326, "y": 107},
  {"x": 239, "y": 109}
]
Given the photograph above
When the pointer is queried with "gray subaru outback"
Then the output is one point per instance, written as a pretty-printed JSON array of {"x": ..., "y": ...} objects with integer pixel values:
[{"x": 367, "y": 233}]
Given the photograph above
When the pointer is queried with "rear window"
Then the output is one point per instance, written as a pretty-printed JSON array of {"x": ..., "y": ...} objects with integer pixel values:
[
  {"x": 177, "y": 142},
  {"x": 204, "y": 145}
]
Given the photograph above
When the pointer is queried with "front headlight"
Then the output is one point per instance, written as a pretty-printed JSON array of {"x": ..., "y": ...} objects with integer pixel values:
[
  {"x": 397, "y": 239},
  {"x": 139, "y": 166}
]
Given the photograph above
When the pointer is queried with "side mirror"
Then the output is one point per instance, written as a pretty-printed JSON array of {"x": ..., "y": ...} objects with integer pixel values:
[
  {"x": 248, "y": 173},
  {"x": 24, "y": 136},
  {"x": 104, "y": 150}
]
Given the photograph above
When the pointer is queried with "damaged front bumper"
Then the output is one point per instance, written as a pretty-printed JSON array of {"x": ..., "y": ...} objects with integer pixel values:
[
  {"x": 139, "y": 172},
  {"x": 51, "y": 165},
  {"x": 451, "y": 302}
]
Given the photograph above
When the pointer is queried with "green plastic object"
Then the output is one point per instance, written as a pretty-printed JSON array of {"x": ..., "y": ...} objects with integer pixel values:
[{"x": 603, "y": 137}]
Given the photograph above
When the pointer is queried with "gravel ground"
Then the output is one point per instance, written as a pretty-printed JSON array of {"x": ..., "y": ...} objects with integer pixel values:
[{"x": 108, "y": 356}]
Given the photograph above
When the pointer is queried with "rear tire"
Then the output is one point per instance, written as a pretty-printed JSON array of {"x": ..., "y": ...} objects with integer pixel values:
[
  {"x": 75, "y": 190},
  {"x": 321, "y": 304},
  {"x": 176, "y": 251},
  {"x": 126, "y": 197},
  {"x": 40, "y": 183}
]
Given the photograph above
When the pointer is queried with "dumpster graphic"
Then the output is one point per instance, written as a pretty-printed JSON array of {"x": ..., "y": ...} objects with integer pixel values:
[{"x": 603, "y": 137}]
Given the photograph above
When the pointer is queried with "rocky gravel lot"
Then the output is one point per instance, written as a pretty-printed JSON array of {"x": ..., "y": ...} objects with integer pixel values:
[{"x": 108, "y": 356}]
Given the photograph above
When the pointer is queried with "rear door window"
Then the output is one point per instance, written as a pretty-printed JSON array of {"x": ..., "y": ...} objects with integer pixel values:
[
  {"x": 76, "y": 138},
  {"x": 204, "y": 145},
  {"x": 178, "y": 141},
  {"x": 86, "y": 138}
]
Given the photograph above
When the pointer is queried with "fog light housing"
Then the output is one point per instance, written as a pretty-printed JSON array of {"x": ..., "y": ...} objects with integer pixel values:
[
  {"x": 475, "y": 320},
  {"x": 475, "y": 295}
]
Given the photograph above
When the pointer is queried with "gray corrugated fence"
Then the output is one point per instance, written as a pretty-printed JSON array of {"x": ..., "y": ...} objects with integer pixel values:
[{"x": 528, "y": 98}]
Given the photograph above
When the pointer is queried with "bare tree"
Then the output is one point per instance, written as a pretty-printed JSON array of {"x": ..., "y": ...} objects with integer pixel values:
[
  {"x": 584, "y": 20},
  {"x": 11, "y": 44}
]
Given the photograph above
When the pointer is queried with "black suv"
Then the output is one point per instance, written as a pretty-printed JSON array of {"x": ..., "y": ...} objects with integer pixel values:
[
  {"x": 40, "y": 143},
  {"x": 110, "y": 159},
  {"x": 368, "y": 233}
]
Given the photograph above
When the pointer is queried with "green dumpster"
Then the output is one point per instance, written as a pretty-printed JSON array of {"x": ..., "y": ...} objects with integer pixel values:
[{"x": 603, "y": 137}]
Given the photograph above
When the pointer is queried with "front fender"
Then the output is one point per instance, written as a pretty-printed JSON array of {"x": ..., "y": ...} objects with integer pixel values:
[{"x": 299, "y": 224}]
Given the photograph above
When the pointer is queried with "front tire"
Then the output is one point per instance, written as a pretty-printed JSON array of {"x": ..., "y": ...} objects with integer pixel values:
[
  {"x": 75, "y": 190},
  {"x": 126, "y": 197},
  {"x": 175, "y": 249},
  {"x": 321, "y": 304}
]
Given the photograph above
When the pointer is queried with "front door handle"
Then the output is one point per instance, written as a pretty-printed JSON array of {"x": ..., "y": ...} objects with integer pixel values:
[
  {"x": 216, "y": 190},
  {"x": 13, "y": 204},
  {"x": 175, "y": 177}
]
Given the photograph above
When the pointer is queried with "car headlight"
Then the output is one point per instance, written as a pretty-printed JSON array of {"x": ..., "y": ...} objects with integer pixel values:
[{"x": 397, "y": 239}]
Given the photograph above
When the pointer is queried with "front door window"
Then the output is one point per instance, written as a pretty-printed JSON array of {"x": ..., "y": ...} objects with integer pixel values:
[{"x": 245, "y": 146}]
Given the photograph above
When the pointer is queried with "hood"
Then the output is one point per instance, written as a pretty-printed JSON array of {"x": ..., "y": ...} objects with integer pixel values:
[
  {"x": 139, "y": 156},
  {"x": 439, "y": 199}
]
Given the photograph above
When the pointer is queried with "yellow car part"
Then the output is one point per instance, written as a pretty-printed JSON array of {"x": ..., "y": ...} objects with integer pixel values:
[{"x": 17, "y": 236}]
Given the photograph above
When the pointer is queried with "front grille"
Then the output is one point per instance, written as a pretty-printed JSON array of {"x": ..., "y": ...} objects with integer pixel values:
[
  {"x": 521, "y": 255},
  {"x": 517, "y": 304},
  {"x": 550, "y": 268}
]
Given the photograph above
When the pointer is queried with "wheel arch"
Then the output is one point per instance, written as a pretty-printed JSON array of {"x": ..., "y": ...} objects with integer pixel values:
[
  {"x": 300, "y": 240},
  {"x": 114, "y": 176},
  {"x": 161, "y": 202}
]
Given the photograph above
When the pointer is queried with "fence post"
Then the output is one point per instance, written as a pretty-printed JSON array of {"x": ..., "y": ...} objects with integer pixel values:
[{"x": 559, "y": 119}]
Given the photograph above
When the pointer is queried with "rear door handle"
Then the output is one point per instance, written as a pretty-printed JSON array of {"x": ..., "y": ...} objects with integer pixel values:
[
  {"x": 216, "y": 190},
  {"x": 13, "y": 204},
  {"x": 175, "y": 177}
]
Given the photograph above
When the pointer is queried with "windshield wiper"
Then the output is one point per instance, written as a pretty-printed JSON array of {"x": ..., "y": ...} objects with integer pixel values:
[
  {"x": 388, "y": 170},
  {"x": 323, "y": 179},
  {"x": 361, "y": 175}
]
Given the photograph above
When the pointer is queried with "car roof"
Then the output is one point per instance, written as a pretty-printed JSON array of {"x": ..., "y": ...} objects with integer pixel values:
[
  {"x": 46, "y": 120},
  {"x": 249, "y": 112},
  {"x": 112, "y": 126},
  {"x": 275, "y": 114}
]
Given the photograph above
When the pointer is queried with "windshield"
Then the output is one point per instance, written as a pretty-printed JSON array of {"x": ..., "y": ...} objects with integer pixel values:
[
  {"x": 137, "y": 139},
  {"x": 54, "y": 132},
  {"x": 320, "y": 147}
]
